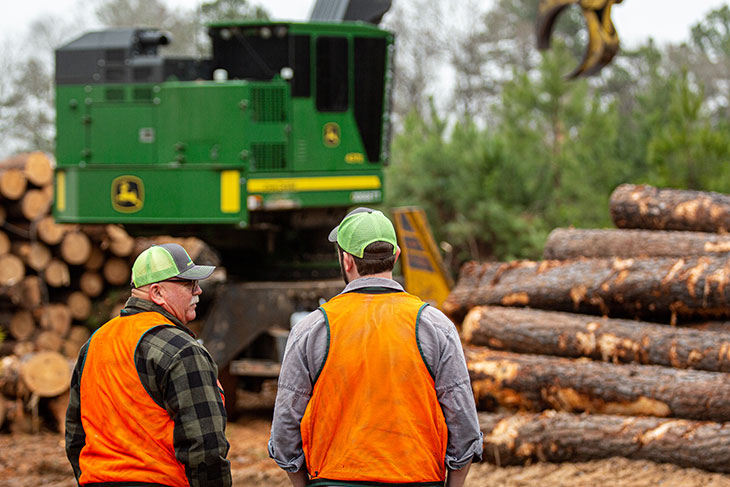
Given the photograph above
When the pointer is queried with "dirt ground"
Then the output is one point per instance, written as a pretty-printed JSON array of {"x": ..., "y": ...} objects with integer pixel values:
[{"x": 39, "y": 460}]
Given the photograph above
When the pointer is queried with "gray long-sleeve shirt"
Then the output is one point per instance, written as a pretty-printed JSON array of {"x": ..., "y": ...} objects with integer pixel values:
[{"x": 438, "y": 338}]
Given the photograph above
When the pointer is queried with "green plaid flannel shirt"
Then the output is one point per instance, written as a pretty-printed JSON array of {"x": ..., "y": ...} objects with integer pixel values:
[{"x": 180, "y": 377}]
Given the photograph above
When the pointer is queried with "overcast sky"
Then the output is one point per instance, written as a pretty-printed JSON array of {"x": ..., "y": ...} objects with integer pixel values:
[{"x": 636, "y": 20}]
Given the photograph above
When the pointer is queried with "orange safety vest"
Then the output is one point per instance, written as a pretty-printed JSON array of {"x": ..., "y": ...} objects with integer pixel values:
[
  {"x": 374, "y": 414},
  {"x": 128, "y": 435}
]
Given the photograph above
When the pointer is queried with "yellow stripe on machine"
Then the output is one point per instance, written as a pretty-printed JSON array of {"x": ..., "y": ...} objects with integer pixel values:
[
  {"x": 230, "y": 191},
  {"x": 61, "y": 191},
  {"x": 333, "y": 183}
]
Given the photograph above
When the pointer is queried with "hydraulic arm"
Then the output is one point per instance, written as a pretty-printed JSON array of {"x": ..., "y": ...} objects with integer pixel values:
[{"x": 603, "y": 40}]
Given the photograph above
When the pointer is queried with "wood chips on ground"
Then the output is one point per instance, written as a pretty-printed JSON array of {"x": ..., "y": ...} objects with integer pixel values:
[{"x": 35, "y": 460}]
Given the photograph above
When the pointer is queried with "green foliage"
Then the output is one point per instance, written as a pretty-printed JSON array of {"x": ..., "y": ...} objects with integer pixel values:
[
  {"x": 547, "y": 152},
  {"x": 217, "y": 10},
  {"x": 687, "y": 151},
  {"x": 712, "y": 36},
  {"x": 452, "y": 178}
]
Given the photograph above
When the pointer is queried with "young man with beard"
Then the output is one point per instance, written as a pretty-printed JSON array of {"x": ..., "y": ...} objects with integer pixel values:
[
  {"x": 146, "y": 407},
  {"x": 374, "y": 388}
]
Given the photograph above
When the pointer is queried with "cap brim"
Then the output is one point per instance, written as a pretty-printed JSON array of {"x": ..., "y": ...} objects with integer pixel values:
[
  {"x": 197, "y": 272},
  {"x": 333, "y": 234}
]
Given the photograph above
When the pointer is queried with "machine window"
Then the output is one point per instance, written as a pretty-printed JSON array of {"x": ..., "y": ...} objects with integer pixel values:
[
  {"x": 370, "y": 63},
  {"x": 302, "y": 71},
  {"x": 332, "y": 74}
]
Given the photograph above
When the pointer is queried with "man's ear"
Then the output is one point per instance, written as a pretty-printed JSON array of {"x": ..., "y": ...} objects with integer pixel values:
[
  {"x": 397, "y": 254},
  {"x": 347, "y": 262},
  {"x": 157, "y": 294}
]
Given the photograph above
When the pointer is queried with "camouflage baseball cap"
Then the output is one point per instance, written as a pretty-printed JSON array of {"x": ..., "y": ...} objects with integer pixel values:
[{"x": 161, "y": 262}]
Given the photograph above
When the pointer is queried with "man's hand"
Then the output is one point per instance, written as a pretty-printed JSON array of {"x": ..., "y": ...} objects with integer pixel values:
[{"x": 456, "y": 478}]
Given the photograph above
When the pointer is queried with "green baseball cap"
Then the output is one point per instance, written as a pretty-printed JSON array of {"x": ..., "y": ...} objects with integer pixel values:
[
  {"x": 161, "y": 262},
  {"x": 360, "y": 228}
]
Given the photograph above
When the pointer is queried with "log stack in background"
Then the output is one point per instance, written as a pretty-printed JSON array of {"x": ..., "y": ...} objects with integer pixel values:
[
  {"x": 603, "y": 348},
  {"x": 57, "y": 284}
]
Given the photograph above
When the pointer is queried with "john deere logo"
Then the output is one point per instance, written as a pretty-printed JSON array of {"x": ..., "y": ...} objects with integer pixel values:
[
  {"x": 127, "y": 194},
  {"x": 331, "y": 134}
]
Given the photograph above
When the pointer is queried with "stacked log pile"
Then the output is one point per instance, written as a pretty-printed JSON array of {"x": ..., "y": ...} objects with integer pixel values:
[
  {"x": 57, "y": 284},
  {"x": 602, "y": 348}
]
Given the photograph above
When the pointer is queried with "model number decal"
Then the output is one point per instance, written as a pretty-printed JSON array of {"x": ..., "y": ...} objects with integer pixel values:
[{"x": 365, "y": 196}]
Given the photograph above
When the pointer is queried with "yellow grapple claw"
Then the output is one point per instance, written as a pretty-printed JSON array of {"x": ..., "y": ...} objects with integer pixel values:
[{"x": 603, "y": 40}]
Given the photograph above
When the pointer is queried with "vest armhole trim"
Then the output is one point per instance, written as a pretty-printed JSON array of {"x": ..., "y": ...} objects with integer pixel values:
[
  {"x": 418, "y": 342},
  {"x": 327, "y": 350}
]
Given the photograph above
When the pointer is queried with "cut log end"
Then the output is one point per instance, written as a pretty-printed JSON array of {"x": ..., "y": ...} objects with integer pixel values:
[
  {"x": 49, "y": 231},
  {"x": 116, "y": 271},
  {"x": 57, "y": 274},
  {"x": 12, "y": 270},
  {"x": 47, "y": 374},
  {"x": 75, "y": 248},
  {"x": 12, "y": 184}
]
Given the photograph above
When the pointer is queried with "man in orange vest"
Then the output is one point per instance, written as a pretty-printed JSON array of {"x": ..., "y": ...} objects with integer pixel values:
[
  {"x": 374, "y": 389},
  {"x": 146, "y": 407}
]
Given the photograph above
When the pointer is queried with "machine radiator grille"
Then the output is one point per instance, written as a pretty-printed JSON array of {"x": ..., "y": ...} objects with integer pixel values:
[
  {"x": 269, "y": 104},
  {"x": 142, "y": 94},
  {"x": 268, "y": 157},
  {"x": 114, "y": 94}
]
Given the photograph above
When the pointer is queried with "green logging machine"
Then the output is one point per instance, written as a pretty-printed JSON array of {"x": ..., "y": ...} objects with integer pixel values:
[{"x": 259, "y": 149}]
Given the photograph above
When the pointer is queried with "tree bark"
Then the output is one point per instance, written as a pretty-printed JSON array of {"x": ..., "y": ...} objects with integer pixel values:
[
  {"x": 722, "y": 326},
  {"x": 75, "y": 248},
  {"x": 564, "y": 437},
  {"x": 653, "y": 208},
  {"x": 571, "y": 243},
  {"x": 655, "y": 289},
  {"x": 619, "y": 341},
  {"x": 538, "y": 382}
]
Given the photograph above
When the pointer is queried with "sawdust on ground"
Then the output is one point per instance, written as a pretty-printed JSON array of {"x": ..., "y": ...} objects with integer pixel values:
[{"x": 39, "y": 460}]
